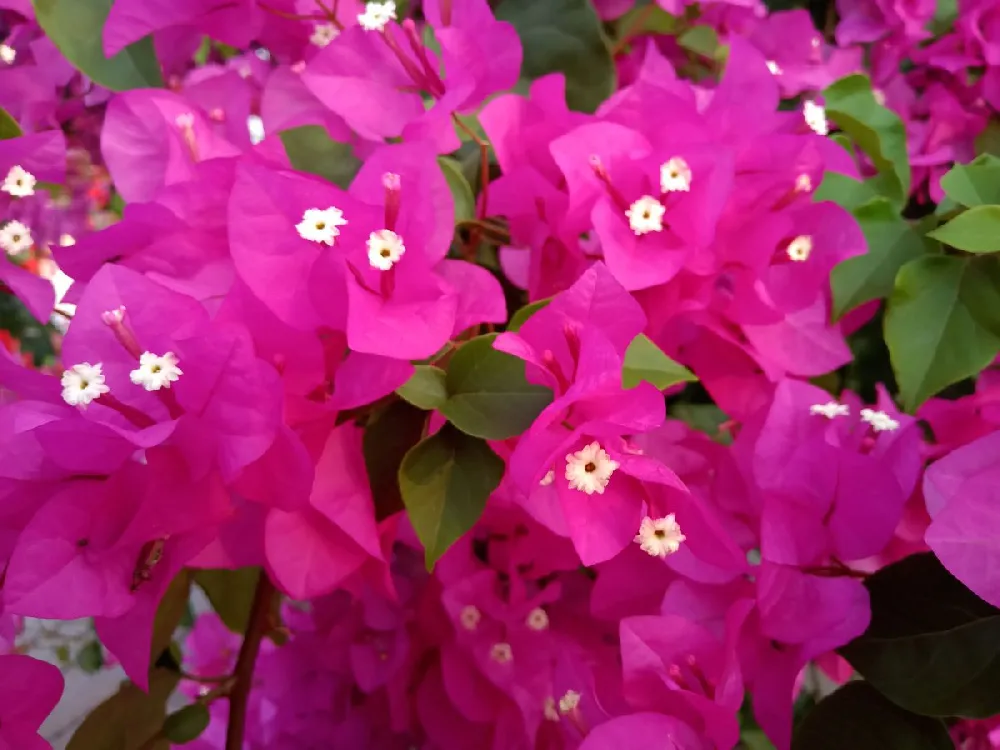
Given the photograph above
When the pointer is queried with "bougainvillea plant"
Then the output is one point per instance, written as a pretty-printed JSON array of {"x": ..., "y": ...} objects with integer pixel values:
[{"x": 511, "y": 374}]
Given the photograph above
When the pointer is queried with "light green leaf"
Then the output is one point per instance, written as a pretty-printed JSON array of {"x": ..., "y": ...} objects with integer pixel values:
[
  {"x": 446, "y": 480},
  {"x": 187, "y": 724},
  {"x": 702, "y": 40},
  {"x": 942, "y": 323},
  {"x": 90, "y": 658},
  {"x": 876, "y": 130},
  {"x": 488, "y": 396},
  {"x": 564, "y": 36},
  {"x": 76, "y": 27},
  {"x": 974, "y": 184},
  {"x": 646, "y": 362},
  {"x": 518, "y": 319},
  {"x": 231, "y": 594},
  {"x": 8, "y": 126},
  {"x": 892, "y": 243},
  {"x": 129, "y": 718},
  {"x": 642, "y": 20},
  {"x": 310, "y": 149},
  {"x": 465, "y": 201},
  {"x": 975, "y": 231},
  {"x": 844, "y": 191},
  {"x": 426, "y": 388}
]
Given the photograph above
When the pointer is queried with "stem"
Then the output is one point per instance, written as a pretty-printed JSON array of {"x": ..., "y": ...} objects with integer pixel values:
[
  {"x": 260, "y": 614},
  {"x": 484, "y": 179}
]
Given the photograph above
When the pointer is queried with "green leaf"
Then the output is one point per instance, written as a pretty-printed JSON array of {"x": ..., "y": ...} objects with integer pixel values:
[
  {"x": 488, "y": 396},
  {"x": 702, "y": 40},
  {"x": 389, "y": 435},
  {"x": 563, "y": 36},
  {"x": 76, "y": 27},
  {"x": 706, "y": 418},
  {"x": 944, "y": 16},
  {"x": 933, "y": 646},
  {"x": 974, "y": 184},
  {"x": 465, "y": 201},
  {"x": 988, "y": 141},
  {"x": 129, "y": 718},
  {"x": 90, "y": 658},
  {"x": 857, "y": 717},
  {"x": 646, "y": 362},
  {"x": 844, "y": 191},
  {"x": 878, "y": 131},
  {"x": 942, "y": 323},
  {"x": 974, "y": 231},
  {"x": 187, "y": 724},
  {"x": 170, "y": 612},
  {"x": 892, "y": 243},
  {"x": 518, "y": 319},
  {"x": 310, "y": 149},
  {"x": 446, "y": 480},
  {"x": 426, "y": 388},
  {"x": 9, "y": 127},
  {"x": 642, "y": 20},
  {"x": 231, "y": 594}
]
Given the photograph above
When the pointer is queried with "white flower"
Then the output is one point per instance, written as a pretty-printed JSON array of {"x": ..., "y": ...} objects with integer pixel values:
[
  {"x": 548, "y": 479},
  {"x": 156, "y": 372},
  {"x": 8, "y": 54},
  {"x": 538, "y": 619},
  {"x": 81, "y": 384},
  {"x": 675, "y": 176},
  {"x": 803, "y": 183},
  {"x": 321, "y": 226},
  {"x": 15, "y": 238},
  {"x": 470, "y": 617},
  {"x": 385, "y": 248},
  {"x": 256, "y": 127},
  {"x": 830, "y": 410},
  {"x": 589, "y": 470},
  {"x": 646, "y": 215},
  {"x": 659, "y": 537},
  {"x": 800, "y": 248},
  {"x": 879, "y": 420},
  {"x": 569, "y": 702},
  {"x": 815, "y": 117},
  {"x": 549, "y": 709},
  {"x": 501, "y": 653},
  {"x": 774, "y": 68},
  {"x": 66, "y": 240},
  {"x": 19, "y": 183},
  {"x": 323, "y": 34},
  {"x": 377, "y": 15},
  {"x": 185, "y": 120}
]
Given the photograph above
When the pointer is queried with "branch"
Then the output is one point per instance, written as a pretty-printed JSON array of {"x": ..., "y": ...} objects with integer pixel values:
[{"x": 260, "y": 614}]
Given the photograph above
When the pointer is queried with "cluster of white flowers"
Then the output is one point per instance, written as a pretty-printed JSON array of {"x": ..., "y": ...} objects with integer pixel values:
[{"x": 83, "y": 383}]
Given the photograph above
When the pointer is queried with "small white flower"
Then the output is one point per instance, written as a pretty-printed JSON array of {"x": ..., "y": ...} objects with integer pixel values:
[
  {"x": 501, "y": 653},
  {"x": 800, "y": 248},
  {"x": 8, "y": 54},
  {"x": 15, "y": 238},
  {"x": 82, "y": 383},
  {"x": 256, "y": 127},
  {"x": 646, "y": 215},
  {"x": 774, "y": 68},
  {"x": 549, "y": 709},
  {"x": 589, "y": 469},
  {"x": 185, "y": 120},
  {"x": 815, "y": 117},
  {"x": 19, "y": 183},
  {"x": 879, "y": 420},
  {"x": 659, "y": 537},
  {"x": 538, "y": 619},
  {"x": 323, "y": 34},
  {"x": 385, "y": 248},
  {"x": 66, "y": 240},
  {"x": 675, "y": 176},
  {"x": 569, "y": 702},
  {"x": 321, "y": 226},
  {"x": 156, "y": 372},
  {"x": 803, "y": 183},
  {"x": 548, "y": 479},
  {"x": 470, "y": 617},
  {"x": 377, "y": 15},
  {"x": 830, "y": 410}
]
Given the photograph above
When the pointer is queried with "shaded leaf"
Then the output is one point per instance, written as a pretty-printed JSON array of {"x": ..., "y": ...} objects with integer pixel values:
[
  {"x": 9, "y": 127},
  {"x": 446, "y": 480},
  {"x": 702, "y": 40},
  {"x": 76, "y": 27},
  {"x": 90, "y": 658},
  {"x": 187, "y": 724},
  {"x": 642, "y": 20},
  {"x": 974, "y": 184},
  {"x": 426, "y": 388},
  {"x": 170, "y": 612},
  {"x": 706, "y": 418},
  {"x": 488, "y": 396},
  {"x": 988, "y": 141},
  {"x": 975, "y": 231},
  {"x": 518, "y": 319},
  {"x": 933, "y": 647},
  {"x": 465, "y": 201},
  {"x": 129, "y": 718},
  {"x": 389, "y": 435},
  {"x": 231, "y": 594},
  {"x": 645, "y": 361},
  {"x": 310, "y": 149}
]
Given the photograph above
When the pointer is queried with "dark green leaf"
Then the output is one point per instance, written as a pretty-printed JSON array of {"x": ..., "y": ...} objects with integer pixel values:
[
  {"x": 892, "y": 243},
  {"x": 8, "y": 126},
  {"x": 563, "y": 36},
  {"x": 706, "y": 418},
  {"x": 465, "y": 201},
  {"x": 875, "y": 129},
  {"x": 933, "y": 647},
  {"x": 942, "y": 323},
  {"x": 645, "y": 361},
  {"x": 187, "y": 724},
  {"x": 90, "y": 658},
  {"x": 388, "y": 436},
  {"x": 76, "y": 27},
  {"x": 446, "y": 480},
  {"x": 858, "y": 717},
  {"x": 426, "y": 388},
  {"x": 129, "y": 718},
  {"x": 488, "y": 396},
  {"x": 975, "y": 231},
  {"x": 169, "y": 613},
  {"x": 988, "y": 141},
  {"x": 231, "y": 594},
  {"x": 517, "y": 319},
  {"x": 974, "y": 184},
  {"x": 310, "y": 149}
]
